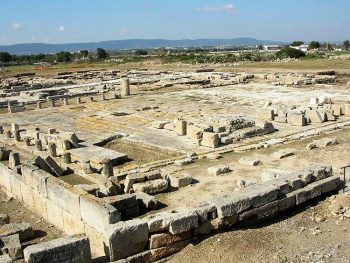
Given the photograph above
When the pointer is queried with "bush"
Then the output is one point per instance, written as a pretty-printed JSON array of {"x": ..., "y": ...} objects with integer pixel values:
[
  {"x": 290, "y": 53},
  {"x": 141, "y": 53}
]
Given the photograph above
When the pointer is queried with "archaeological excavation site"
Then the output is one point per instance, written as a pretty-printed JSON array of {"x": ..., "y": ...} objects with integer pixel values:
[{"x": 137, "y": 165}]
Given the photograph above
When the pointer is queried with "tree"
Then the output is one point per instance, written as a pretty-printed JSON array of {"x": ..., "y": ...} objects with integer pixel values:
[
  {"x": 297, "y": 43},
  {"x": 141, "y": 53},
  {"x": 346, "y": 44},
  {"x": 314, "y": 45},
  {"x": 290, "y": 53},
  {"x": 5, "y": 57},
  {"x": 84, "y": 53},
  {"x": 63, "y": 57},
  {"x": 101, "y": 53}
]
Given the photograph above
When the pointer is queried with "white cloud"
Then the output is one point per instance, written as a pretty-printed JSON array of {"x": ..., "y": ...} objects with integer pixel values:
[
  {"x": 229, "y": 9},
  {"x": 61, "y": 28},
  {"x": 124, "y": 31},
  {"x": 16, "y": 26}
]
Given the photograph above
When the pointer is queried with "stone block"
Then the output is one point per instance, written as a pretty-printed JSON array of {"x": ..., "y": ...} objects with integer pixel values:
[
  {"x": 5, "y": 259},
  {"x": 180, "y": 181},
  {"x": 55, "y": 214},
  {"x": 159, "y": 124},
  {"x": 180, "y": 127},
  {"x": 72, "y": 225},
  {"x": 158, "y": 222},
  {"x": 24, "y": 230},
  {"x": 230, "y": 205},
  {"x": 4, "y": 219},
  {"x": 39, "y": 178},
  {"x": 152, "y": 187},
  {"x": 72, "y": 249},
  {"x": 132, "y": 179},
  {"x": 63, "y": 195},
  {"x": 296, "y": 119},
  {"x": 40, "y": 204},
  {"x": 96, "y": 213},
  {"x": 308, "y": 192},
  {"x": 347, "y": 110},
  {"x": 166, "y": 239},
  {"x": 266, "y": 114},
  {"x": 210, "y": 140},
  {"x": 146, "y": 201},
  {"x": 218, "y": 170},
  {"x": 42, "y": 164},
  {"x": 126, "y": 238},
  {"x": 260, "y": 213},
  {"x": 205, "y": 212},
  {"x": 55, "y": 168},
  {"x": 183, "y": 162},
  {"x": 251, "y": 161},
  {"x": 261, "y": 194},
  {"x": 122, "y": 202},
  {"x": 27, "y": 195},
  {"x": 337, "y": 110},
  {"x": 4, "y": 153},
  {"x": 163, "y": 252},
  {"x": 283, "y": 153},
  {"x": 12, "y": 246},
  {"x": 27, "y": 172},
  {"x": 315, "y": 116},
  {"x": 183, "y": 221}
]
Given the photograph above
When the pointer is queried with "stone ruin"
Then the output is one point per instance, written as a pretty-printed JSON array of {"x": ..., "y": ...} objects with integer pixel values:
[{"x": 119, "y": 214}]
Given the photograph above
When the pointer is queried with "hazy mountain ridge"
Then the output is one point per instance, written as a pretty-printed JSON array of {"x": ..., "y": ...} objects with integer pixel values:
[{"x": 36, "y": 48}]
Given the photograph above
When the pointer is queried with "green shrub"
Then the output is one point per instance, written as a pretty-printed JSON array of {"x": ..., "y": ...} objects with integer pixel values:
[{"x": 290, "y": 53}]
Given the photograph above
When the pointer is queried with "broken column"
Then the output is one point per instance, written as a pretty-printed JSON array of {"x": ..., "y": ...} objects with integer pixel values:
[
  {"x": 78, "y": 100},
  {"x": 39, "y": 145},
  {"x": 52, "y": 149},
  {"x": 107, "y": 168},
  {"x": 38, "y": 105},
  {"x": 27, "y": 141},
  {"x": 8, "y": 134},
  {"x": 17, "y": 136},
  {"x": 67, "y": 158},
  {"x": 14, "y": 160},
  {"x": 180, "y": 127},
  {"x": 125, "y": 87}
]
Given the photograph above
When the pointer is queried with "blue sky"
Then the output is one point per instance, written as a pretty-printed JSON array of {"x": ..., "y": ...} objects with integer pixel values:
[{"x": 63, "y": 21}]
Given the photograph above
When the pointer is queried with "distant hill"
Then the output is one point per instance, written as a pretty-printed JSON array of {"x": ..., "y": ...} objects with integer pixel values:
[{"x": 36, "y": 48}]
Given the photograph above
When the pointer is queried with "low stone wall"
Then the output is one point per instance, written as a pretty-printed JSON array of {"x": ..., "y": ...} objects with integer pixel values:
[
  {"x": 166, "y": 233},
  {"x": 71, "y": 210}
]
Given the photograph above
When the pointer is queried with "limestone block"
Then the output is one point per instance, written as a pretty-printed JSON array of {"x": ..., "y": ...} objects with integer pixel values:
[
  {"x": 260, "y": 213},
  {"x": 55, "y": 168},
  {"x": 40, "y": 204},
  {"x": 126, "y": 238},
  {"x": 183, "y": 221},
  {"x": 194, "y": 133},
  {"x": 131, "y": 179},
  {"x": 158, "y": 222},
  {"x": 27, "y": 195},
  {"x": 180, "y": 127},
  {"x": 39, "y": 178},
  {"x": 218, "y": 170},
  {"x": 261, "y": 194},
  {"x": 251, "y": 161},
  {"x": 283, "y": 153},
  {"x": 72, "y": 249},
  {"x": 265, "y": 114},
  {"x": 42, "y": 164},
  {"x": 72, "y": 225},
  {"x": 166, "y": 239},
  {"x": 63, "y": 195},
  {"x": 96, "y": 213},
  {"x": 180, "y": 181},
  {"x": 163, "y": 252},
  {"x": 4, "y": 153},
  {"x": 315, "y": 116},
  {"x": 152, "y": 187},
  {"x": 12, "y": 245},
  {"x": 309, "y": 192},
  {"x": 231, "y": 204},
  {"x": 205, "y": 212},
  {"x": 24, "y": 230},
  {"x": 322, "y": 143},
  {"x": 122, "y": 202},
  {"x": 27, "y": 172},
  {"x": 4, "y": 219},
  {"x": 337, "y": 110},
  {"x": 321, "y": 171},
  {"x": 146, "y": 201},
  {"x": 210, "y": 140},
  {"x": 183, "y": 162},
  {"x": 296, "y": 119},
  {"x": 159, "y": 124}
]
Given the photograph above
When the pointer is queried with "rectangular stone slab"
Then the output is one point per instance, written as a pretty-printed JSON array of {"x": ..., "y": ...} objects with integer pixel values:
[{"x": 96, "y": 154}]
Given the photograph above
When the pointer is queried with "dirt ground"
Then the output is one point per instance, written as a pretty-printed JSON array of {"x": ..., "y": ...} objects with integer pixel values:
[
  {"x": 19, "y": 213},
  {"x": 309, "y": 234}
]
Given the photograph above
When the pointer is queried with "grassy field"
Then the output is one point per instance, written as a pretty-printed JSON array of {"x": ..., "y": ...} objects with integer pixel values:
[{"x": 307, "y": 65}]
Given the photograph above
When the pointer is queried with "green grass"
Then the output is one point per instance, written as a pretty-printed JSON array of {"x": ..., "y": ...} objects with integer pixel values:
[{"x": 305, "y": 64}]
